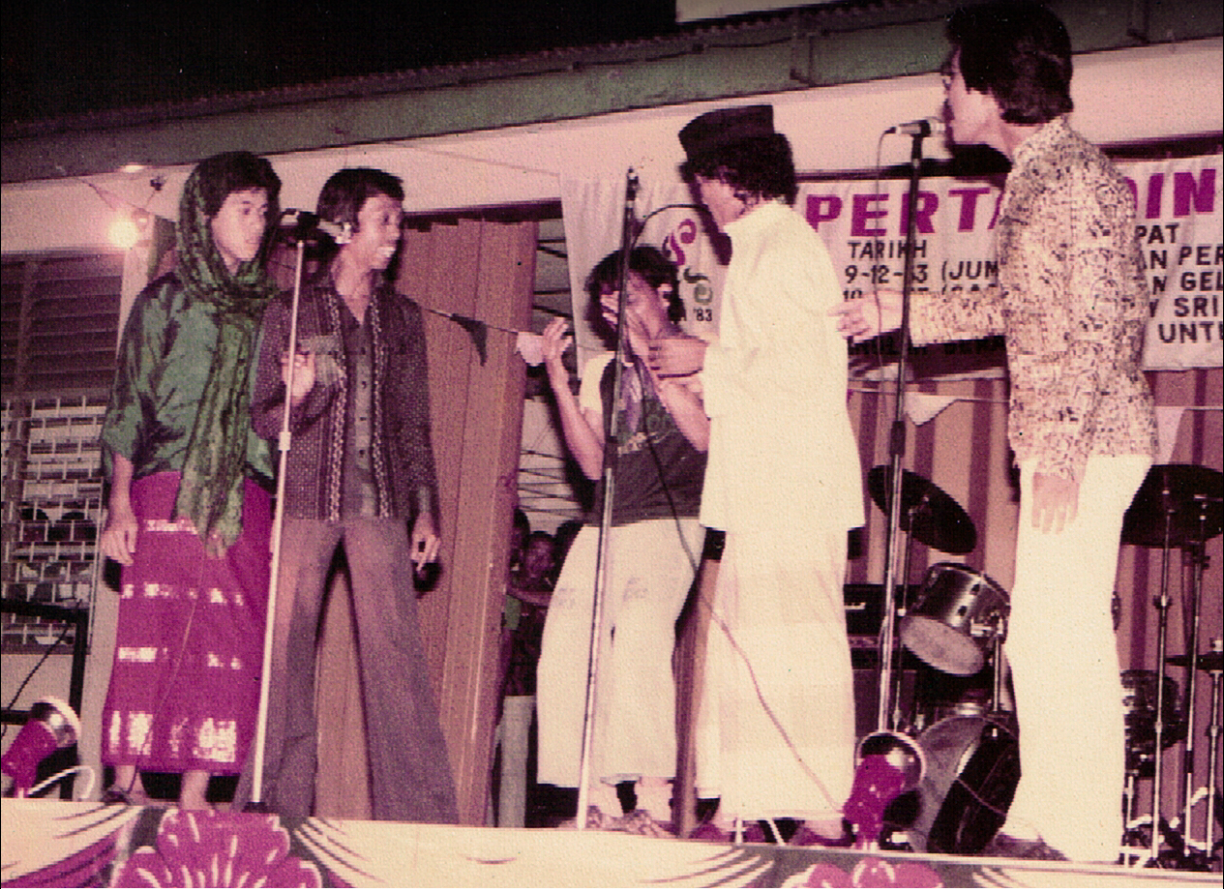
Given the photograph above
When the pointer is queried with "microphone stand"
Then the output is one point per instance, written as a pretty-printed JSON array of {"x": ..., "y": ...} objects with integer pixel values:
[
  {"x": 871, "y": 794},
  {"x": 896, "y": 444},
  {"x": 611, "y": 439},
  {"x": 283, "y": 443}
]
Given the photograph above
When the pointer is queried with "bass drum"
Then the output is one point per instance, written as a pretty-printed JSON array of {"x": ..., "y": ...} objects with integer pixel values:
[{"x": 973, "y": 767}]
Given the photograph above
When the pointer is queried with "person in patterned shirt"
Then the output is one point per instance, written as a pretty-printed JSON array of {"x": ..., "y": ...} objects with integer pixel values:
[
  {"x": 1071, "y": 302},
  {"x": 360, "y": 475}
]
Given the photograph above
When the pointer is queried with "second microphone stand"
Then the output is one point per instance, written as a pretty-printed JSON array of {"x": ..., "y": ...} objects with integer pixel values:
[
  {"x": 901, "y": 751},
  {"x": 608, "y": 489}
]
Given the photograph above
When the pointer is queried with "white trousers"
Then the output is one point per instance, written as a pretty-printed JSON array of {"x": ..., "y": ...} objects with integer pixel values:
[
  {"x": 634, "y": 724},
  {"x": 1065, "y": 670}
]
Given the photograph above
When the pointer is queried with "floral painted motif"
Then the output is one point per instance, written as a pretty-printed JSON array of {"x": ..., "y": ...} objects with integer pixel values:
[
  {"x": 217, "y": 849},
  {"x": 869, "y": 872}
]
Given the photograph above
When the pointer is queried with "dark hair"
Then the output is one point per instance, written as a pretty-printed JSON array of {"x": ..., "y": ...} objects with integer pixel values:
[
  {"x": 1020, "y": 53},
  {"x": 223, "y": 174},
  {"x": 564, "y": 538},
  {"x": 345, "y": 193},
  {"x": 649, "y": 262},
  {"x": 535, "y": 536},
  {"x": 761, "y": 165}
]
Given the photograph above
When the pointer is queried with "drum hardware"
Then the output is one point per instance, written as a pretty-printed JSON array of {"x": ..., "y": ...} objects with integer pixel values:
[
  {"x": 1178, "y": 505},
  {"x": 1209, "y": 662},
  {"x": 973, "y": 769},
  {"x": 889, "y": 763},
  {"x": 1213, "y": 666},
  {"x": 1139, "y": 702},
  {"x": 928, "y": 514}
]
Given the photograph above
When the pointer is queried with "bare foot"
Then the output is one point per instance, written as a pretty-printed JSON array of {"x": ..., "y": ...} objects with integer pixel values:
[{"x": 194, "y": 792}]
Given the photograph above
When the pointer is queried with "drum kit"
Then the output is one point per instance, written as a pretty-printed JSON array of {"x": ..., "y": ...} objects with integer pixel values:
[
  {"x": 963, "y": 756},
  {"x": 962, "y": 759}
]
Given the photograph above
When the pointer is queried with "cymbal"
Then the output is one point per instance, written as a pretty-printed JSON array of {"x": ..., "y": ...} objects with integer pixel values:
[
  {"x": 1186, "y": 500},
  {"x": 1209, "y": 661},
  {"x": 928, "y": 514}
]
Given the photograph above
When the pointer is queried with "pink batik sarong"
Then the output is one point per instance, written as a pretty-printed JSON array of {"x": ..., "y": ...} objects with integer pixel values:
[{"x": 184, "y": 686}]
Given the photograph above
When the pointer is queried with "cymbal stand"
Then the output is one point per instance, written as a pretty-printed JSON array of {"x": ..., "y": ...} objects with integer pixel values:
[
  {"x": 1213, "y": 757},
  {"x": 1162, "y": 640},
  {"x": 1197, "y": 557}
]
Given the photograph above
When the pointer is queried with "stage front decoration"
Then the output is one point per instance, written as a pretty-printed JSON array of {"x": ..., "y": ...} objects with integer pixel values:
[{"x": 49, "y": 842}]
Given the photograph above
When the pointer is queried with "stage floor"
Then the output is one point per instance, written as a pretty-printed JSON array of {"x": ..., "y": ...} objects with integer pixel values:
[{"x": 55, "y": 843}]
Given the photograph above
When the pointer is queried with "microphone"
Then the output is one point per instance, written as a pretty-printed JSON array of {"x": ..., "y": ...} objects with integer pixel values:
[
  {"x": 928, "y": 126},
  {"x": 303, "y": 225}
]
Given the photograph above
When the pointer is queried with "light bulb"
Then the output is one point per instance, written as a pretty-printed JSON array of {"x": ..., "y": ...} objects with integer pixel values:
[{"x": 126, "y": 230}]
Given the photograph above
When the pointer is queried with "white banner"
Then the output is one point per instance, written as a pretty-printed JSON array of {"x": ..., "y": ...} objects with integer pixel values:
[{"x": 863, "y": 223}]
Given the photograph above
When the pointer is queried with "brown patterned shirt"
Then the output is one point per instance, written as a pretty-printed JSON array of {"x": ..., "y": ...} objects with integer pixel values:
[
  {"x": 326, "y": 427},
  {"x": 1071, "y": 302}
]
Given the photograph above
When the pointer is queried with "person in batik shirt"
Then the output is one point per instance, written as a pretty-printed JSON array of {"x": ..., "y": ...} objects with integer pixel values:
[{"x": 1072, "y": 303}]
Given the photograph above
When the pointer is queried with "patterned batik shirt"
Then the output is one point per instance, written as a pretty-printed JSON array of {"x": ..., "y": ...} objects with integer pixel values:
[
  {"x": 400, "y": 458},
  {"x": 1071, "y": 302}
]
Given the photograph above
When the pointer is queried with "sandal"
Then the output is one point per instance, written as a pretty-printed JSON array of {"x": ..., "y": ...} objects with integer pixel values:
[{"x": 116, "y": 797}]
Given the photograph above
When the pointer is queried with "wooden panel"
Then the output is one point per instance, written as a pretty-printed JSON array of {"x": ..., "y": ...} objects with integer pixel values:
[
  {"x": 487, "y": 498},
  {"x": 484, "y": 271},
  {"x": 445, "y": 279}
]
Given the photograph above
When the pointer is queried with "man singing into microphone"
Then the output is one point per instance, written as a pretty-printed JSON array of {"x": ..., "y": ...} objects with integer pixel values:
[
  {"x": 360, "y": 473},
  {"x": 1072, "y": 303}
]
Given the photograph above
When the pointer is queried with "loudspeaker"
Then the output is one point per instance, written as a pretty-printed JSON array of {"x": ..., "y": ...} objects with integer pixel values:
[{"x": 867, "y": 689}]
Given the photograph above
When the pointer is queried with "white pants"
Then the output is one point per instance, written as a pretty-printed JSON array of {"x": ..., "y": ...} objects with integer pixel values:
[
  {"x": 1065, "y": 670},
  {"x": 634, "y": 727}
]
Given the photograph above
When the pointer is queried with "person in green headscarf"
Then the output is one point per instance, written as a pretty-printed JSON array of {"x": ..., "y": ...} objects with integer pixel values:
[{"x": 189, "y": 514}]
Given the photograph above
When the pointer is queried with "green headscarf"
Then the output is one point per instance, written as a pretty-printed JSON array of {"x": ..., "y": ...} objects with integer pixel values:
[{"x": 210, "y": 493}]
